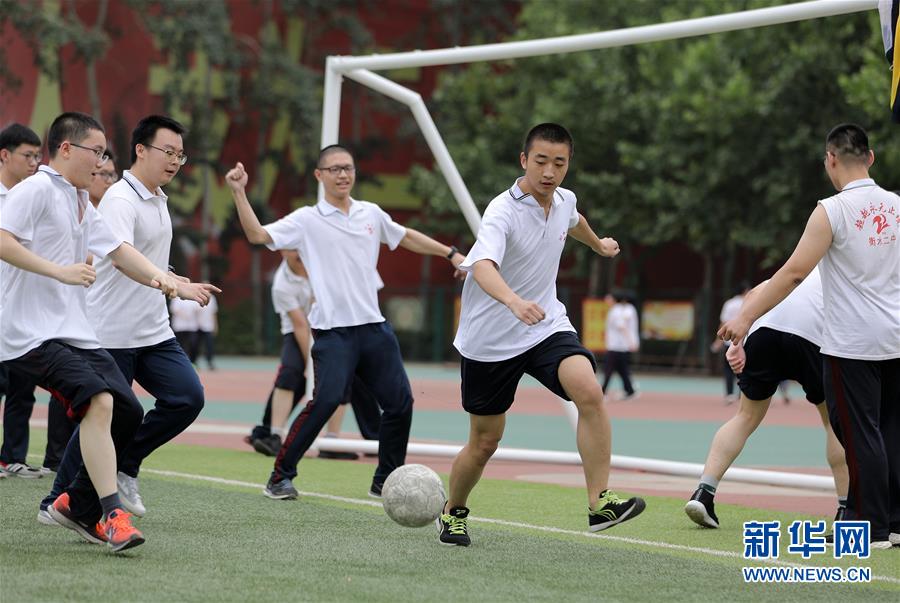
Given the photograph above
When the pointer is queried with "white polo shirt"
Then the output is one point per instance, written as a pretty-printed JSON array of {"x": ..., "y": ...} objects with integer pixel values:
[
  {"x": 801, "y": 313},
  {"x": 42, "y": 213},
  {"x": 526, "y": 246},
  {"x": 184, "y": 315},
  {"x": 861, "y": 273},
  {"x": 3, "y": 191},
  {"x": 290, "y": 292},
  {"x": 622, "y": 328},
  {"x": 124, "y": 313},
  {"x": 340, "y": 253}
]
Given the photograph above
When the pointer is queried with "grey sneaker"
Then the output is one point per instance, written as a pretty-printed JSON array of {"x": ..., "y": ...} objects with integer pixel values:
[
  {"x": 129, "y": 495},
  {"x": 281, "y": 490},
  {"x": 45, "y": 518}
]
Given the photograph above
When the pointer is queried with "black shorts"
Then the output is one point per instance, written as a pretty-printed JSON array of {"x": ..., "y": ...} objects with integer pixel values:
[
  {"x": 74, "y": 375},
  {"x": 489, "y": 388},
  {"x": 291, "y": 373},
  {"x": 772, "y": 357}
]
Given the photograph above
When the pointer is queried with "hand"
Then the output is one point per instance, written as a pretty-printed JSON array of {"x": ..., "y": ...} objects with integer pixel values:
[
  {"x": 198, "y": 292},
  {"x": 183, "y": 279},
  {"x": 716, "y": 346},
  {"x": 609, "y": 247},
  {"x": 237, "y": 177},
  {"x": 77, "y": 274},
  {"x": 166, "y": 284},
  {"x": 737, "y": 358},
  {"x": 528, "y": 312},
  {"x": 735, "y": 329}
]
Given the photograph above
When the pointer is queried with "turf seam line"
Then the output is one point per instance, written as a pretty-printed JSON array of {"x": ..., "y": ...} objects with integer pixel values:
[{"x": 505, "y": 523}]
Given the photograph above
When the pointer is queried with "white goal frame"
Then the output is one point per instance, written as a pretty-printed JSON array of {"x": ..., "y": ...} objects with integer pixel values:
[{"x": 360, "y": 69}]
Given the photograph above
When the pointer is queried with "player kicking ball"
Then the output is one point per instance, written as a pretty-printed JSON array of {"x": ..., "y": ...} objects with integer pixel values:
[{"x": 511, "y": 323}]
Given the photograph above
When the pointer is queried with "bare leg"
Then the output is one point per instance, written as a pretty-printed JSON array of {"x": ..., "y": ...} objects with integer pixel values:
[
  {"x": 834, "y": 452},
  {"x": 593, "y": 434},
  {"x": 97, "y": 448},
  {"x": 281, "y": 408},
  {"x": 484, "y": 436},
  {"x": 731, "y": 437}
]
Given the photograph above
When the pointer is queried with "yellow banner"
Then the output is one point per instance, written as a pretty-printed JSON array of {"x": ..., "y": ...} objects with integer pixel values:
[
  {"x": 593, "y": 323},
  {"x": 668, "y": 320}
]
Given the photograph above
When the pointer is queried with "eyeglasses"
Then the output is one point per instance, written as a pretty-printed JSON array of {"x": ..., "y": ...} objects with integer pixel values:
[
  {"x": 181, "y": 158},
  {"x": 108, "y": 176},
  {"x": 335, "y": 170},
  {"x": 29, "y": 157},
  {"x": 102, "y": 157}
]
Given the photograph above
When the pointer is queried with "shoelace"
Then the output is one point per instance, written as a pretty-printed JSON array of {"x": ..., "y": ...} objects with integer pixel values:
[
  {"x": 611, "y": 498},
  {"x": 121, "y": 523},
  {"x": 457, "y": 525}
]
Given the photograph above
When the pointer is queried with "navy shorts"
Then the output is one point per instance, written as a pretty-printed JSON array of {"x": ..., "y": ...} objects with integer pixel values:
[
  {"x": 772, "y": 357},
  {"x": 73, "y": 375},
  {"x": 291, "y": 373},
  {"x": 489, "y": 388}
]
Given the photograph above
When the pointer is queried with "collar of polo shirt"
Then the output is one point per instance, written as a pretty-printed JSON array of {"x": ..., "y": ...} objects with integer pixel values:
[
  {"x": 326, "y": 209},
  {"x": 139, "y": 187},
  {"x": 518, "y": 194}
]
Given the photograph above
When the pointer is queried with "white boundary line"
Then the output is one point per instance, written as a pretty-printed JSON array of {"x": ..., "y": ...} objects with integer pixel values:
[{"x": 505, "y": 523}]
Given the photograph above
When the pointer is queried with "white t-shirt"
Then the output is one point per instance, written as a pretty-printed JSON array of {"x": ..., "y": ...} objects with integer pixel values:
[
  {"x": 184, "y": 315},
  {"x": 801, "y": 313},
  {"x": 206, "y": 315},
  {"x": 731, "y": 308},
  {"x": 526, "y": 245},
  {"x": 622, "y": 328},
  {"x": 340, "y": 253},
  {"x": 861, "y": 273},
  {"x": 42, "y": 213},
  {"x": 125, "y": 313},
  {"x": 290, "y": 292},
  {"x": 3, "y": 191}
]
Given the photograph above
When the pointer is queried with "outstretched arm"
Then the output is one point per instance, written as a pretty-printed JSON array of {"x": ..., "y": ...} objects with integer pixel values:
[
  {"x": 237, "y": 182},
  {"x": 812, "y": 247},
  {"x": 582, "y": 232},
  {"x": 491, "y": 281},
  {"x": 420, "y": 243},
  {"x": 138, "y": 268},
  {"x": 13, "y": 252}
]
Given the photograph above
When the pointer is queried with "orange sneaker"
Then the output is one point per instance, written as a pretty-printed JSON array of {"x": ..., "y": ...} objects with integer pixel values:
[
  {"x": 120, "y": 534},
  {"x": 62, "y": 514}
]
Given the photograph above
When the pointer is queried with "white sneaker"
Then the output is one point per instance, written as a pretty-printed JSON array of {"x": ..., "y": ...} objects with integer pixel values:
[
  {"x": 894, "y": 539},
  {"x": 128, "y": 493},
  {"x": 45, "y": 518},
  {"x": 21, "y": 470},
  {"x": 880, "y": 544}
]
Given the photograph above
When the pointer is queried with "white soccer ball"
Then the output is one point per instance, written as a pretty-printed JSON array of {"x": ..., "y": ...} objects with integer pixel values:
[{"x": 413, "y": 495}]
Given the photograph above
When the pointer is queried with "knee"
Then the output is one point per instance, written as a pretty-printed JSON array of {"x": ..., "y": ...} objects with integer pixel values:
[
  {"x": 588, "y": 399},
  {"x": 101, "y": 408},
  {"x": 483, "y": 446}
]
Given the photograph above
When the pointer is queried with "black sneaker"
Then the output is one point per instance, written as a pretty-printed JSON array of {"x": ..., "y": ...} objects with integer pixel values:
[
  {"x": 612, "y": 510},
  {"x": 701, "y": 509},
  {"x": 453, "y": 528},
  {"x": 280, "y": 490},
  {"x": 269, "y": 445},
  {"x": 338, "y": 456},
  {"x": 839, "y": 516},
  {"x": 375, "y": 490}
]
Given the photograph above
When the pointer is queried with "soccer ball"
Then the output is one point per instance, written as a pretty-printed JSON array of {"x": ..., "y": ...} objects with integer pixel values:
[{"x": 413, "y": 495}]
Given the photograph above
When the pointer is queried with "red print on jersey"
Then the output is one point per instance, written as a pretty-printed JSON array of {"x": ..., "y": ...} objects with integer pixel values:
[
  {"x": 369, "y": 229},
  {"x": 880, "y": 222}
]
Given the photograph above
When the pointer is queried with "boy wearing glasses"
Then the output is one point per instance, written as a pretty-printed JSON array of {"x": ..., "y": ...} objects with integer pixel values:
[
  {"x": 132, "y": 322},
  {"x": 339, "y": 239},
  {"x": 48, "y": 229},
  {"x": 104, "y": 177},
  {"x": 20, "y": 155}
]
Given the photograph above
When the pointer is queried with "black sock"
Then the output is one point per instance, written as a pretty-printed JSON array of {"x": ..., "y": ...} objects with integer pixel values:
[{"x": 110, "y": 503}]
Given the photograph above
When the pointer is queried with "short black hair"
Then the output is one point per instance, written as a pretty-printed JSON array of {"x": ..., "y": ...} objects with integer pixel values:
[
  {"x": 331, "y": 150},
  {"x": 550, "y": 132},
  {"x": 848, "y": 141},
  {"x": 72, "y": 126},
  {"x": 14, "y": 135},
  {"x": 146, "y": 130}
]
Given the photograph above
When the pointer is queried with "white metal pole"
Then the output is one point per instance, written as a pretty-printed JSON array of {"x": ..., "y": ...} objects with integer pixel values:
[
  {"x": 607, "y": 39},
  {"x": 331, "y": 108},
  {"x": 693, "y": 470},
  {"x": 414, "y": 101}
]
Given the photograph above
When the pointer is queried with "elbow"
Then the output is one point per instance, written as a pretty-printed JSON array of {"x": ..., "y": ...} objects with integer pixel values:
[{"x": 259, "y": 237}]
